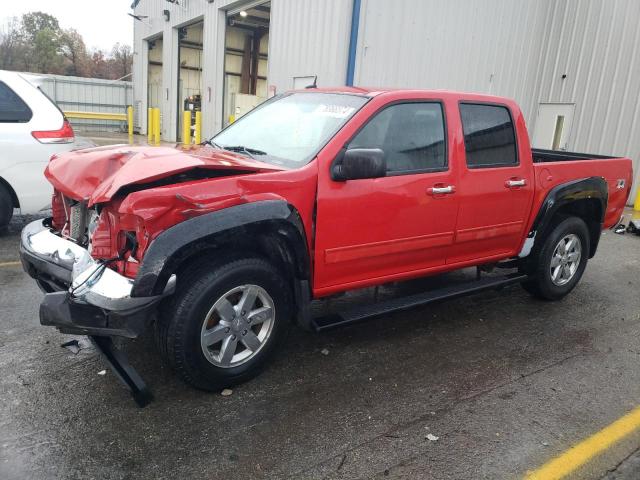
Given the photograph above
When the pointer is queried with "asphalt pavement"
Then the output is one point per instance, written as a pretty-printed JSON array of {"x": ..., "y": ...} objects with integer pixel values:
[{"x": 485, "y": 387}]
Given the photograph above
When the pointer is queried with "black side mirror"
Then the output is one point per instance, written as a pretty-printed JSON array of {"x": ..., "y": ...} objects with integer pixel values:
[{"x": 359, "y": 163}]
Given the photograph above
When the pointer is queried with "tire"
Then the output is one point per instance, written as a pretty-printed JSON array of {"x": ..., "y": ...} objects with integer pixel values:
[
  {"x": 6, "y": 207},
  {"x": 181, "y": 328},
  {"x": 554, "y": 285}
]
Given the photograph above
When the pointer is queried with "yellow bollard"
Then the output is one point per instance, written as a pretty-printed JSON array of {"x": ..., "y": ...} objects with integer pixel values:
[
  {"x": 636, "y": 204},
  {"x": 198, "y": 132},
  {"x": 156, "y": 126},
  {"x": 186, "y": 128},
  {"x": 130, "y": 123},
  {"x": 150, "y": 125}
]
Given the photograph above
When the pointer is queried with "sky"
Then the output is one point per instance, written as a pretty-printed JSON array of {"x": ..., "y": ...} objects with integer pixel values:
[{"x": 101, "y": 22}]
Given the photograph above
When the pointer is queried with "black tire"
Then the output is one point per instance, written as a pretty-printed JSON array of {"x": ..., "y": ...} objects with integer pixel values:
[
  {"x": 6, "y": 207},
  {"x": 181, "y": 319},
  {"x": 540, "y": 284}
]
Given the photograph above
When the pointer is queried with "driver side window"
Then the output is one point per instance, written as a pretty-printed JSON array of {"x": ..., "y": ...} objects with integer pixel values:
[{"x": 410, "y": 134}]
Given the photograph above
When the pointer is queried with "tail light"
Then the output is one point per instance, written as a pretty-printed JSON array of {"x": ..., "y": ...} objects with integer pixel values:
[{"x": 63, "y": 135}]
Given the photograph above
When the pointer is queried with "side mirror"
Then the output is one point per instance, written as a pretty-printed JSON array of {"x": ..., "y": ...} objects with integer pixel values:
[{"x": 358, "y": 163}]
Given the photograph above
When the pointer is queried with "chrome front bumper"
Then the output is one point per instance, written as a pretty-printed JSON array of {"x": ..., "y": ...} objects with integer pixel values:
[{"x": 82, "y": 295}]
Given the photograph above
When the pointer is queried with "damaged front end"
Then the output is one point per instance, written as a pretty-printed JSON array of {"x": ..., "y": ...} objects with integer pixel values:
[{"x": 82, "y": 295}]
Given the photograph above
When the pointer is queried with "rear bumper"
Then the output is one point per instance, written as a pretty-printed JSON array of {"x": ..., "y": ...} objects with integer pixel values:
[{"x": 82, "y": 296}]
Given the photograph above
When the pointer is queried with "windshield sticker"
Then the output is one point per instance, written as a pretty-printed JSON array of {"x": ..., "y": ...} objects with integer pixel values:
[{"x": 335, "y": 111}]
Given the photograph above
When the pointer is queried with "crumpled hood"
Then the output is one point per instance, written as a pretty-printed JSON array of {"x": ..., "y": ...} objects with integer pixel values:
[{"x": 97, "y": 174}]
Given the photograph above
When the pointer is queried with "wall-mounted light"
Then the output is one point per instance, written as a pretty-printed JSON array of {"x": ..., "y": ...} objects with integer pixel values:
[
  {"x": 167, "y": 15},
  {"x": 243, "y": 13}
]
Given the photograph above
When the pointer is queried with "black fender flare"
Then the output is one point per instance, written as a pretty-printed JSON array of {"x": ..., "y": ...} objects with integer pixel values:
[
  {"x": 177, "y": 243},
  {"x": 593, "y": 189}
]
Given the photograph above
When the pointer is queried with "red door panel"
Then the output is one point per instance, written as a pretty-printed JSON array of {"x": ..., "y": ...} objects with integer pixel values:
[
  {"x": 369, "y": 231},
  {"x": 495, "y": 200},
  {"x": 373, "y": 228}
]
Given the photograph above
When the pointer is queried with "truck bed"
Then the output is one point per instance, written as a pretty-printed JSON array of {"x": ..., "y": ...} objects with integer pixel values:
[
  {"x": 553, "y": 167},
  {"x": 543, "y": 156}
]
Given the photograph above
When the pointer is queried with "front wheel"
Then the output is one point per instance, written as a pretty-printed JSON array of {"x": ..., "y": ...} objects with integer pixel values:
[
  {"x": 6, "y": 207},
  {"x": 561, "y": 261},
  {"x": 225, "y": 322}
]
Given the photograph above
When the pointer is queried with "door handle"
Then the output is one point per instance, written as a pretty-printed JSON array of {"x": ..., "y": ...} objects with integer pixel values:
[
  {"x": 515, "y": 182},
  {"x": 441, "y": 190}
]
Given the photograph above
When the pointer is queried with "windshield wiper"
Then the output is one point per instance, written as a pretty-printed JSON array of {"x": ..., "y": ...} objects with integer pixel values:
[
  {"x": 213, "y": 144},
  {"x": 242, "y": 149}
]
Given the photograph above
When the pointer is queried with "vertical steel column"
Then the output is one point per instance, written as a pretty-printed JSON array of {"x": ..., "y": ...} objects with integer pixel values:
[{"x": 353, "y": 42}]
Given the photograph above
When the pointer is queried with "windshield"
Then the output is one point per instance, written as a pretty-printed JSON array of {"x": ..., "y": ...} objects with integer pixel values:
[{"x": 290, "y": 130}]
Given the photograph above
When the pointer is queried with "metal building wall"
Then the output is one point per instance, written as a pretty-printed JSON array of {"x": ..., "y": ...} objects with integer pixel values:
[
  {"x": 309, "y": 38},
  {"x": 596, "y": 44},
  {"x": 519, "y": 49},
  {"x": 80, "y": 94},
  {"x": 306, "y": 38},
  {"x": 487, "y": 46},
  {"x": 155, "y": 26}
]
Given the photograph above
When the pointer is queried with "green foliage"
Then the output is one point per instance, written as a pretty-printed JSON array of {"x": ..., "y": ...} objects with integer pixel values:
[{"x": 36, "y": 43}]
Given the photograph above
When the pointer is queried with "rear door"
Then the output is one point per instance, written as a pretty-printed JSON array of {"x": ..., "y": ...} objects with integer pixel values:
[
  {"x": 373, "y": 230},
  {"x": 495, "y": 185}
]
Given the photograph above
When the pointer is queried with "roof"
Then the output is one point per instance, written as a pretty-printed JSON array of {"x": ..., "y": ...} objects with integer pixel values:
[{"x": 375, "y": 91}]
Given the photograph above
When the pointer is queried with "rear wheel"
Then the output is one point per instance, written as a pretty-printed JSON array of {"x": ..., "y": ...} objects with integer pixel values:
[
  {"x": 560, "y": 263},
  {"x": 225, "y": 322},
  {"x": 6, "y": 207}
]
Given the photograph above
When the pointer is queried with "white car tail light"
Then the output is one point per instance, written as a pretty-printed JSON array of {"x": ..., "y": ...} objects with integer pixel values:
[{"x": 63, "y": 135}]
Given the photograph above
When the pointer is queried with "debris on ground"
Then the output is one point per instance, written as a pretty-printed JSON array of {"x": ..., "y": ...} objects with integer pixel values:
[
  {"x": 324, "y": 351},
  {"x": 431, "y": 437},
  {"x": 102, "y": 372},
  {"x": 74, "y": 346},
  {"x": 620, "y": 229},
  {"x": 226, "y": 392}
]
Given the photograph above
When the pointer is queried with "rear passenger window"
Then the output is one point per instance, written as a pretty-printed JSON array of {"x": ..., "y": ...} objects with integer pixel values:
[
  {"x": 12, "y": 108},
  {"x": 489, "y": 137},
  {"x": 411, "y": 136}
]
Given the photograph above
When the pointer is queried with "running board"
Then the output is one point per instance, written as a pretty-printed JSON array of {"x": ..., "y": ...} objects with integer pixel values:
[{"x": 358, "y": 313}]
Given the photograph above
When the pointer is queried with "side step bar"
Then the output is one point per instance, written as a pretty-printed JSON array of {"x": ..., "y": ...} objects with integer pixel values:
[
  {"x": 358, "y": 313},
  {"x": 119, "y": 364}
]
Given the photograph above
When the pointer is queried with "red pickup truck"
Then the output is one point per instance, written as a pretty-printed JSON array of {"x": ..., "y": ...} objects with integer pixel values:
[{"x": 317, "y": 192}]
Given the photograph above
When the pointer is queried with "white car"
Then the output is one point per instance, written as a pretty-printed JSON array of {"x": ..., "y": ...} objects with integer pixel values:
[{"x": 32, "y": 129}]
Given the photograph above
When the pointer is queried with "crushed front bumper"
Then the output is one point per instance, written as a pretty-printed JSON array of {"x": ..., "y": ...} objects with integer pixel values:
[{"x": 82, "y": 296}]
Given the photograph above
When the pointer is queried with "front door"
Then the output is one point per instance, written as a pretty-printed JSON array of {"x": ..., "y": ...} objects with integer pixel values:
[
  {"x": 374, "y": 230},
  {"x": 553, "y": 126}
]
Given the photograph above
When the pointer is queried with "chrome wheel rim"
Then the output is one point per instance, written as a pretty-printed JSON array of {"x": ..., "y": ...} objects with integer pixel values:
[
  {"x": 237, "y": 326},
  {"x": 566, "y": 259}
]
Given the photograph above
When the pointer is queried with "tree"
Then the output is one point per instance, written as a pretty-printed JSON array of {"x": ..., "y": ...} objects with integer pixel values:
[
  {"x": 99, "y": 66},
  {"x": 11, "y": 45},
  {"x": 121, "y": 61},
  {"x": 45, "y": 52},
  {"x": 34, "y": 22},
  {"x": 40, "y": 36},
  {"x": 75, "y": 51},
  {"x": 36, "y": 43}
]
